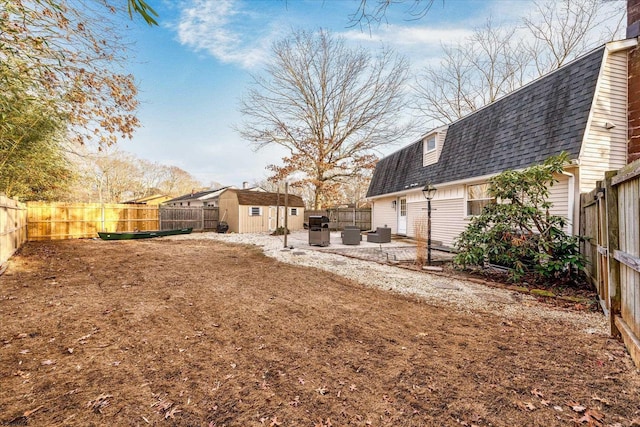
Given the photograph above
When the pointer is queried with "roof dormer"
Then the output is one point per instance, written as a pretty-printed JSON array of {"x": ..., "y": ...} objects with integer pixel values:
[{"x": 432, "y": 145}]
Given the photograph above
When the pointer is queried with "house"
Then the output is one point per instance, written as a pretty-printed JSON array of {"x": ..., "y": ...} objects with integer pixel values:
[
  {"x": 247, "y": 211},
  {"x": 580, "y": 109},
  {"x": 154, "y": 199},
  {"x": 198, "y": 199}
]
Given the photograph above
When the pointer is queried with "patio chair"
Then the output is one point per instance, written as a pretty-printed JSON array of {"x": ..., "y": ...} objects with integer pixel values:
[
  {"x": 381, "y": 235},
  {"x": 351, "y": 235}
]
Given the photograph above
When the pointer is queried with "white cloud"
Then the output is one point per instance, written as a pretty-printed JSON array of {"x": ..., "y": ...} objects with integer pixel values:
[{"x": 223, "y": 29}]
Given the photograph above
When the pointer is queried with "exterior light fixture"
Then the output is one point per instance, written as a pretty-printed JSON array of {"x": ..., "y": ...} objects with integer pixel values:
[{"x": 429, "y": 191}]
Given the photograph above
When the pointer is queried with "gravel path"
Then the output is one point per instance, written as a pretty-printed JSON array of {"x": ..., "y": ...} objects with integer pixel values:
[{"x": 436, "y": 289}]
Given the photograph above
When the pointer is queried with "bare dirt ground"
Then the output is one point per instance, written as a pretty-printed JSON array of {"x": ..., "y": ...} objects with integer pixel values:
[{"x": 203, "y": 333}]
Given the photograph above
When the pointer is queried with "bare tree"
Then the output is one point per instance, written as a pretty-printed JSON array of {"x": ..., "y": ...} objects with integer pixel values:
[
  {"x": 110, "y": 175},
  {"x": 332, "y": 107},
  {"x": 471, "y": 74},
  {"x": 375, "y": 11},
  {"x": 496, "y": 60},
  {"x": 565, "y": 29}
]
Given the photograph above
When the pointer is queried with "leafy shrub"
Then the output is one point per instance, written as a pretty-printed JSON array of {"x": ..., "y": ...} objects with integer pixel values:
[{"x": 518, "y": 231}]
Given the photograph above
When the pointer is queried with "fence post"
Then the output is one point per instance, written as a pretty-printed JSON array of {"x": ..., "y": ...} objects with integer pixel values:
[{"x": 613, "y": 244}]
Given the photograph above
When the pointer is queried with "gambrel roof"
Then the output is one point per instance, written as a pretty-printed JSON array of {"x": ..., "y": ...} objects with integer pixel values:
[
  {"x": 539, "y": 120},
  {"x": 260, "y": 198}
]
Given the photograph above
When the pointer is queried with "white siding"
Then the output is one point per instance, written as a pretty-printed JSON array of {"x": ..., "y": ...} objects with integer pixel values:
[
  {"x": 606, "y": 149},
  {"x": 447, "y": 220},
  {"x": 559, "y": 196},
  {"x": 383, "y": 213}
]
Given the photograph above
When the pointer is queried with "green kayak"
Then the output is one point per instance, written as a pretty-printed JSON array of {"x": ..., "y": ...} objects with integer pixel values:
[{"x": 129, "y": 235}]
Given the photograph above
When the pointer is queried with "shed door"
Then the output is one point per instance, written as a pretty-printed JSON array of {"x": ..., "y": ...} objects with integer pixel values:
[
  {"x": 402, "y": 216},
  {"x": 272, "y": 218}
]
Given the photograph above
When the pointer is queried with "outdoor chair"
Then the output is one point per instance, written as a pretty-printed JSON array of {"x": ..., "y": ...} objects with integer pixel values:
[
  {"x": 381, "y": 235},
  {"x": 351, "y": 235}
]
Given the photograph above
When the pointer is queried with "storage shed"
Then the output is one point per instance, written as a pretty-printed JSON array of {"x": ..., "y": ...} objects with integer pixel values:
[{"x": 247, "y": 211}]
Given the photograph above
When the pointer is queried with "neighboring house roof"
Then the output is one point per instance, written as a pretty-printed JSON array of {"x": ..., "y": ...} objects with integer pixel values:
[
  {"x": 541, "y": 119},
  {"x": 259, "y": 198},
  {"x": 153, "y": 199},
  {"x": 200, "y": 195}
]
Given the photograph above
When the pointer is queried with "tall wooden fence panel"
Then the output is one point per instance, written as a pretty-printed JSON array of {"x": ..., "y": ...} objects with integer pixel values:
[
  {"x": 13, "y": 227},
  {"x": 341, "y": 217},
  {"x": 625, "y": 284},
  {"x": 594, "y": 229},
  {"x": 196, "y": 217},
  {"x": 53, "y": 221},
  {"x": 609, "y": 218}
]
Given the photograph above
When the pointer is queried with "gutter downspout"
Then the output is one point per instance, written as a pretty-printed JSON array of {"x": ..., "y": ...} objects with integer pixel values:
[{"x": 572, "y": 200}]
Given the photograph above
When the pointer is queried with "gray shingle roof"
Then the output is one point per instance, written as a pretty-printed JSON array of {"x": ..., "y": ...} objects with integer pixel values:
[
  {"x": 524, "y": 128},
  {"x": 260, "y": 198}
]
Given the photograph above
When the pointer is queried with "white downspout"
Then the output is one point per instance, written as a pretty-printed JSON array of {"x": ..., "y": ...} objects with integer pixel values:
[{"x": 572, "y": 202}]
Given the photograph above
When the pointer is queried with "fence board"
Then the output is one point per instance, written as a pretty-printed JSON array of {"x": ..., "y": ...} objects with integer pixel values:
[
  {"x": 196, "y": 217},
  {"x": 617, "y": 229},
  {"x": 13, "y": 227},
  {"x": 53, "y": 221},
  {"x": 341, "y": 217}
]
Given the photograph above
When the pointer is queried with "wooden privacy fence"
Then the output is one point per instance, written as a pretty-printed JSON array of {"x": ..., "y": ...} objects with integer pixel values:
[
  {"x": 13, "y": 227},
  {"x": 341, "y": 217},
  {"x": 198, "y": 218},
  {"x": 610, "y": 219},
  {"x": 53, "y": 221}
]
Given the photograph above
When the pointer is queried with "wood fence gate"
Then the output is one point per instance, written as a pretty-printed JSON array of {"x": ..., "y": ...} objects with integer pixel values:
[{"x": 611, "y": 222}]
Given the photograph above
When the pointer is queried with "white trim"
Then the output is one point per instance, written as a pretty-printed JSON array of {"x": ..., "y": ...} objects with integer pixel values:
[
  {"x": 618, "y": 45},
  {"x": 426, "y": 145},
  {"x": 251, "y": 208}
]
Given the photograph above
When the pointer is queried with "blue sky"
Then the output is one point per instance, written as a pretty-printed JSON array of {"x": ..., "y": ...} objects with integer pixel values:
[{"x": 193, "y": 68}]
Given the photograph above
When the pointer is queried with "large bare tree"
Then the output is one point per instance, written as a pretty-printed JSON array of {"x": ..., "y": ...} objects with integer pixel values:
[
  {"x": 329, "y": 105},
  {"x": 495, "y": 60}
]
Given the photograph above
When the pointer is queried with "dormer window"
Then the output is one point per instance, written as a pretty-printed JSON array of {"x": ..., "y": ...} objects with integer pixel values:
[{"x": 430, "y": 144}]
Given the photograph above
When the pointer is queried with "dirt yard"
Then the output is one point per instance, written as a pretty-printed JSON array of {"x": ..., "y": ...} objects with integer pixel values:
[{"x": 202, "y": 333}]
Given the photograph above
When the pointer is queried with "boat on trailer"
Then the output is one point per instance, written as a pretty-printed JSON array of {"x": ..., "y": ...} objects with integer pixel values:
[{"x": 130, "y": 235}]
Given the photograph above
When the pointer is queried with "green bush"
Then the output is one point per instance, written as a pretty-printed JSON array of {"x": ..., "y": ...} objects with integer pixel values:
[{"x": 517, "y": 230}]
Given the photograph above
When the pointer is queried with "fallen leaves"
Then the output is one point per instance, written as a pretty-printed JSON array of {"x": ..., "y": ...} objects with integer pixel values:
[
  {"x": 99, "y": 403},
  {"x": 576, "y": 407},
  {"x": 592, "y": 417},
  {"x": 167, "y": 408}
]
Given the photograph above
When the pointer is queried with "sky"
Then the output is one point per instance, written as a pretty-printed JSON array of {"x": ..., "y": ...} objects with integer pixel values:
[{"x": 194, "y": 67}]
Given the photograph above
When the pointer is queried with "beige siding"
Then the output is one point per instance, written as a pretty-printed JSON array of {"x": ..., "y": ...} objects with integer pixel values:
[
  {"x": 240, "y": 221},
  {"x": 606, "y": 149},
  {"x": 229, "y": 210},
  {"x": 383, "y": 213},
  {"x": 255, "y": 223}
]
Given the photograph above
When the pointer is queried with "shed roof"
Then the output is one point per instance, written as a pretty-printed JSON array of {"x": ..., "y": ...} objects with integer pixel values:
[
  {"x": 199, "y": 195},
  {"x": 259, "y": 198},
  {"x": 542, "y": 119}
]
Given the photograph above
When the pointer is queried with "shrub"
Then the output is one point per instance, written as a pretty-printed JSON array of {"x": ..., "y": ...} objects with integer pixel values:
[{"x": 518, "y": 231}]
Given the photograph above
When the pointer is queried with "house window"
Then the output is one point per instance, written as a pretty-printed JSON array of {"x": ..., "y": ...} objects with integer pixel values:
[
  {"x": 430, "y": 144},
  {"x": 255, "y": 211},
  {"x": 294, "y": 212},
  {"x": 477, "y": 198}
]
